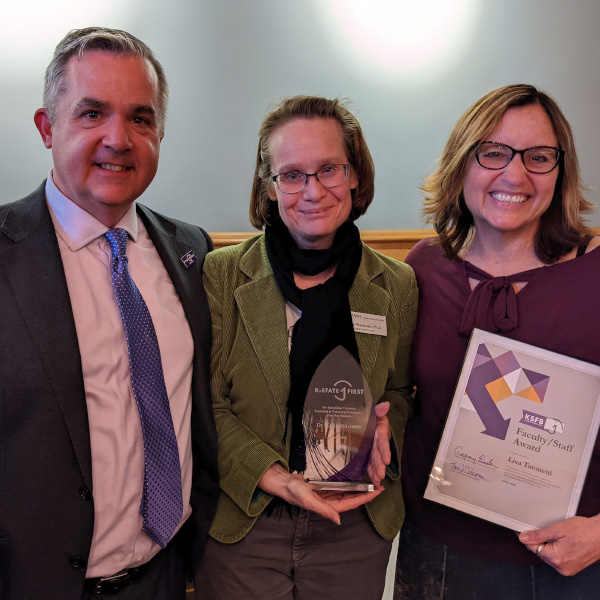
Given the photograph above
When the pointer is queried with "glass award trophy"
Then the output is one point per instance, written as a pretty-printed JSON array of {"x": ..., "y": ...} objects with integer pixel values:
[{"x": 339, "y": 425}]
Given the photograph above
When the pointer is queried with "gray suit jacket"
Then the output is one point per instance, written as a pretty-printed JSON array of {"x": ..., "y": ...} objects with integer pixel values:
[{"x": 46, "y": 487}]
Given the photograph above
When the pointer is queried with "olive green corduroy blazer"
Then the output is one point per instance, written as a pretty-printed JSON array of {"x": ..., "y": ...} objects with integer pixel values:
[{"x": 250, "y": 376}]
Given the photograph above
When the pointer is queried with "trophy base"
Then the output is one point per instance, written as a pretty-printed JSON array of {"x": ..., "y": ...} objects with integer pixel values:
[{"x": 342, "y": 486}]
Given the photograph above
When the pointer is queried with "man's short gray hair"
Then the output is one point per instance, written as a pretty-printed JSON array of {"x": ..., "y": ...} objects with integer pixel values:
[{"x": 112, "y": 41}]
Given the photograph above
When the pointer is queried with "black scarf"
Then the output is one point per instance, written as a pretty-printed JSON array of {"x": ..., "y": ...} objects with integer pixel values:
[{"x": 326, "y": 321}]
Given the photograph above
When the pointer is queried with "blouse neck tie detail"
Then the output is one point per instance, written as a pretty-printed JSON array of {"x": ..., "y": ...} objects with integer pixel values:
[{"x": 492, "y": 304}]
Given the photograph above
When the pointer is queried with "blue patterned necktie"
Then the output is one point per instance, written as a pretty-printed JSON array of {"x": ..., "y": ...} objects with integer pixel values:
[{"x": 162, "y": 504}]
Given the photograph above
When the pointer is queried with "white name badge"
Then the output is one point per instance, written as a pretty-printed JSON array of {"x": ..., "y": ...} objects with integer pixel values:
[{"x": 371, "y": 324}]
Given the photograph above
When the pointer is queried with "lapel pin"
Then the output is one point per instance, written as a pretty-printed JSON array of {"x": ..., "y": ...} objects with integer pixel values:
[{"x": 188, "y": 259}]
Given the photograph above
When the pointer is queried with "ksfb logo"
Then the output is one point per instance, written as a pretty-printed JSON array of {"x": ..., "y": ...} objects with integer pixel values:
[{"x": 340, "y": 390}]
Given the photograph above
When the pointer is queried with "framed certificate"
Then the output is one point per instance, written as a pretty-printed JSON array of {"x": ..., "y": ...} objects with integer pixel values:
[{"x": 519, "y": 434}]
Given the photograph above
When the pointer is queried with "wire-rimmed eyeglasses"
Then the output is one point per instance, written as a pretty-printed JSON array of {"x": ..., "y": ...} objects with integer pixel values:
[
  {"x": 328, "y": 176},
  {"x": 537, "y": 159}
]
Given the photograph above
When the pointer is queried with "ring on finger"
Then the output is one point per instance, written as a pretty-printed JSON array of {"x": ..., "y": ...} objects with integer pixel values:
[{"x": 540, "y": 548}]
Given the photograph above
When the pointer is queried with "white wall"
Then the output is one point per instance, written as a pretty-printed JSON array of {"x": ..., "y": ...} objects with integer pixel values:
[{"x": 228, "y": 60}]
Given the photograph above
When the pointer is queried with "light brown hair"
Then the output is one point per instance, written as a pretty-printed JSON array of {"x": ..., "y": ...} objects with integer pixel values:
[
  {"x": 264, "y": 211},
  {"x": 562, "y": 226}
]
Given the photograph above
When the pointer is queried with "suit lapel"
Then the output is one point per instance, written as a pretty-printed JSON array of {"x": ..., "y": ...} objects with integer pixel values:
[
  {"x": 35, "y": 275},
  {"x": 172, "y": 243},
  {"x": 170, "y": 248},
  {"x": 187, "y": 281}
]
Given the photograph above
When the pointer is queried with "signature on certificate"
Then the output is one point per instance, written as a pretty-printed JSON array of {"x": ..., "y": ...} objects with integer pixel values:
[
  {"x": 465, "y": 470},
  {"x": 482, "y": 459}
]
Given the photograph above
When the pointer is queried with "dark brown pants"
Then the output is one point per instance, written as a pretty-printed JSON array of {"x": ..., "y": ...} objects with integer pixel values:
[{"x": 304, "y": 557}]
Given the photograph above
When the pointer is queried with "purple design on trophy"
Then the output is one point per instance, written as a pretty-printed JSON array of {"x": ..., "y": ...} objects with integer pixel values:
[{"x": 339, "y": 421}]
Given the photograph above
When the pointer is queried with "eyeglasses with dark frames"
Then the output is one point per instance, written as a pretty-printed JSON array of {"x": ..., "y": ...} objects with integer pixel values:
[
  {"x": 537, "y": 159},
  {"x": 328, "y": 176}
]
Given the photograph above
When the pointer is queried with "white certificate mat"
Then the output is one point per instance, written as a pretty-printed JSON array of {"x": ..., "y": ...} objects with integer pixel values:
[{"x": 519, "y": 434}]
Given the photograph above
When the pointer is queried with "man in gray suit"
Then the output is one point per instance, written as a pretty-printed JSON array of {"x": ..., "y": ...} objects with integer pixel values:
[{"x": 85, "y": 509}]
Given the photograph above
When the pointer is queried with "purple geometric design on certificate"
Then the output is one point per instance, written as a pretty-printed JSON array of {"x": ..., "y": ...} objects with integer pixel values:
[
  {"x": 539, "y": 382},
  {"x": 483, "y": 355},
  {"x": 507, "y": 362},
  {"x": 494, "y": 379}
]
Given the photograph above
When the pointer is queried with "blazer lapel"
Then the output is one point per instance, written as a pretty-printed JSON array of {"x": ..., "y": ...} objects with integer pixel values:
[
  {"x": 262, "y": 310},
  {"x": 35, "y": 274},
  {"x": 366, "y": 297}
]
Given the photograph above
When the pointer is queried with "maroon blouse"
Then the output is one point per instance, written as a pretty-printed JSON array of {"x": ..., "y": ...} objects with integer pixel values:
[{"x": 558, "y": 309}]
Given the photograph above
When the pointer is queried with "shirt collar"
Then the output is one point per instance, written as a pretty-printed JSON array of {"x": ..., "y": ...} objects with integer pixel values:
[{"x": 76, "y": 226}]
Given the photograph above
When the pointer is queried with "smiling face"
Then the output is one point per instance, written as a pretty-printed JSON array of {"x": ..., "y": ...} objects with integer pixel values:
[
  {"x": 512, "y": 199},
  {"x": 105, "y": 138},
  {"x": 313, "y": 215}
]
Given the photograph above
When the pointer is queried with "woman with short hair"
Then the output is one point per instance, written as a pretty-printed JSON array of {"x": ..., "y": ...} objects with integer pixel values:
[{"x": 280, "y": 302}]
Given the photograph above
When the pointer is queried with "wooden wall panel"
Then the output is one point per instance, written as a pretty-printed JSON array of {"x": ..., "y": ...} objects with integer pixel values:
[{"x": 395, "y": 243}]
